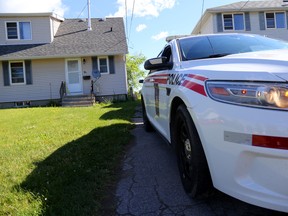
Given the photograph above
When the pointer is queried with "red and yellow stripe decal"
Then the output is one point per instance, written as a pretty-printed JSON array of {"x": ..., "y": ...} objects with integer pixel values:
[
  {"x": 194, "y": 86},
  {"x": 157, "y": 78},
  {"x": 189, "y": 81}
]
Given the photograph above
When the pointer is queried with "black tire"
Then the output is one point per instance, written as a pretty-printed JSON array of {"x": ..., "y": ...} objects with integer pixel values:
[
  {"x": 147, "y": 125},
  {"x": 192, "y": 163}
]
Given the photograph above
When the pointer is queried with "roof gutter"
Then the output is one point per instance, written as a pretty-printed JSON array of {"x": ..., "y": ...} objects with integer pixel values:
[
  {"x": 18, "y": 58},
  {"x": 44, "y": 14},
  {"x": 223, "y": 10}
]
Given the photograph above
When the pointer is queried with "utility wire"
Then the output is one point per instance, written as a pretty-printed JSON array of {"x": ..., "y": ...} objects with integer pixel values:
[
  {"x": 131, "y": 21},
  {"x": 203, "y": 1},
  {"x": 244, "y": 5},
  {"x": 82, "y": 11},
  {"x": 126, "y": 13}
]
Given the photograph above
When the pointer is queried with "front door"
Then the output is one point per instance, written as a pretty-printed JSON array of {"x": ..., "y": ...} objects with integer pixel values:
[{"x": 74, "y": 77}]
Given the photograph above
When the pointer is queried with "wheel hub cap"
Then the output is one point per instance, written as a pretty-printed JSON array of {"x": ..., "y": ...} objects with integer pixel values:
[{"x": 187, "y": 149}]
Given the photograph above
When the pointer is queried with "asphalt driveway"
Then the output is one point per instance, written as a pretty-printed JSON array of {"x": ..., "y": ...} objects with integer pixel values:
[{"x": 150, "y": 184}]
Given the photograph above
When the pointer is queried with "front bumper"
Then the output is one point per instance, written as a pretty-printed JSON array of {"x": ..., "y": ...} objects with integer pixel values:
[{"x": 257, "y": 175}]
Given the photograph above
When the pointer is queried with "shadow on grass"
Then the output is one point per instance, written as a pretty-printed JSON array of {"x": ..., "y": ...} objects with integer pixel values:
[
  {"x": 122, "y": 110},
  {"x": 73, "y": 179}
]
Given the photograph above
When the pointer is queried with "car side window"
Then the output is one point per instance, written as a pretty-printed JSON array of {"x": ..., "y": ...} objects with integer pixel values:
[{"x": 167, "y": 52}]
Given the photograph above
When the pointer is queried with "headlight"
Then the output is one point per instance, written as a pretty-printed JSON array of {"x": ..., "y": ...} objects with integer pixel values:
[{"x": 266, "y": 95}]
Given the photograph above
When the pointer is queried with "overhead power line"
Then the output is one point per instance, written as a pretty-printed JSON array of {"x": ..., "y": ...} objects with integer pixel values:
[
  {"x": 126, "y": 13},
  {"x": 82, "y": 11},
  {"x": 244, "y": 5},
  {"x": 203, "y": 2},
  {"x": 131, "y": 21},
  {"x": 129, "y": 25}
]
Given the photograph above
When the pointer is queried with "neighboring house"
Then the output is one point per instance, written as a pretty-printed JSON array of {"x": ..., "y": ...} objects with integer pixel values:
[
  {"x": 39, "y": 52},
  {"x": 268, "y": 18}
]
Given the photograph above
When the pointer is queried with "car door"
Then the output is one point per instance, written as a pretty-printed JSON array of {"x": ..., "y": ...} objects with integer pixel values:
[{"x": 157, "y": 96}]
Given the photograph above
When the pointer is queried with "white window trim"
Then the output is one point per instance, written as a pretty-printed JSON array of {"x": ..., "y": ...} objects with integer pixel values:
[
  {"x": 229, "y": 30},
  {"x": 274, "y": 12},
  {"x": 107, "y": 60},
  {"x": 274, "y": 20},
  {"x": 24, "y": 73},
  {"x": 18, "y": 30}
]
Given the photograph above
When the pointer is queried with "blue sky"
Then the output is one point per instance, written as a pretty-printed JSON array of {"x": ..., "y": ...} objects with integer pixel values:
[{"x": 146, "y": 30}]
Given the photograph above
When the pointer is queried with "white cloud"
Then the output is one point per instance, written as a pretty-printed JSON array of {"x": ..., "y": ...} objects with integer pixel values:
[
  {"x": 141, "y": 27},
  {"x": 143, "y": 8},
  {"x": 160, "y": 36},
  {"x": 32, "y": 6}
]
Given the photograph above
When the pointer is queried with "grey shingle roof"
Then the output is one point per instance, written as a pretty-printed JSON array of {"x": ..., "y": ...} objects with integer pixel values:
[
  {"x": 72, "y": 39},
  {"x": 252, "y": 5}
]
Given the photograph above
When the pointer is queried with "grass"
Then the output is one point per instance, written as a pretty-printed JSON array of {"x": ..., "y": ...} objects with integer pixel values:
[{"x": 60, "y": 161}]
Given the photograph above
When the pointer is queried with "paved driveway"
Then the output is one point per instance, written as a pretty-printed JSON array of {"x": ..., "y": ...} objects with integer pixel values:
[{"x": 150, "y": 184}]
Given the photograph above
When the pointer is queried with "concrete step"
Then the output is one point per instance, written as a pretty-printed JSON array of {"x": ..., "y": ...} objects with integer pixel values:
[{"x": 78, "y": 101}]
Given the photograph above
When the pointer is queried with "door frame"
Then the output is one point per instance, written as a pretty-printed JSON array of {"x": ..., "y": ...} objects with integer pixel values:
[{"x": 80, "y": 76}]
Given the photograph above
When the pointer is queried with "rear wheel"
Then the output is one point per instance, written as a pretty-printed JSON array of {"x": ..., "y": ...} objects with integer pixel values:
[{"x": 192, "y": 164}]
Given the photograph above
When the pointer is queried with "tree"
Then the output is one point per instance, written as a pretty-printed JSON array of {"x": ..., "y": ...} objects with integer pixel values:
[{"x": 134, "y": 73}]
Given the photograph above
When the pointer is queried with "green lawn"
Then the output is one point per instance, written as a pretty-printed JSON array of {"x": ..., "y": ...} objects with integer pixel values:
[{"x": 60, "y": 161}]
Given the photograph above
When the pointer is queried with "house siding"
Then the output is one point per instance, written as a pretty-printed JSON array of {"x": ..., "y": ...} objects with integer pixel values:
[
  {"x": 47, "y": 76},
  {"x": 40, "y": 28},
  {"x": 210, "y": 26},
  {"x": 87, "y": 71},
  {"x": 207, "y": 26},
  {"x": 113, "y": 84},
  {"x": 107, "y": 84},
  {"x": 215, "y": 21},
  {"x": 46, "y": 64},
  {"x": 55, "y": 26},
  {"x": 279, "y": 33}
]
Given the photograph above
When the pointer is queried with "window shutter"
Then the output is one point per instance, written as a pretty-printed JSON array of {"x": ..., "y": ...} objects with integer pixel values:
[
  {"x": 261, "y": 20},
  {"x": 28, "y": 70},
  {"x": 219, "y": 22},
  {"x": 111, "y": 64},
  {"x": 94, "y": 64},
  {"x": 247, "y": 21},
  {"x": 6, "y": 75},
  {"x": 287, "y": 19}
]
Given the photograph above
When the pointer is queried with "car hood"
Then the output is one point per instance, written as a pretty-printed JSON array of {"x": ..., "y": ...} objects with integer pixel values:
[{"x": 269, "y": 65}]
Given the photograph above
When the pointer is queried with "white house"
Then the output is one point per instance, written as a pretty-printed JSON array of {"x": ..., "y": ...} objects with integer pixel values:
[
  {"x": 268, "y": 18},
  {"x": 43, "y": 57}
]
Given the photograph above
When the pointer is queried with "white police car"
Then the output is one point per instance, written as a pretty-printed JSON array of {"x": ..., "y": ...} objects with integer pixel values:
[{"x": 222, "y": 102}]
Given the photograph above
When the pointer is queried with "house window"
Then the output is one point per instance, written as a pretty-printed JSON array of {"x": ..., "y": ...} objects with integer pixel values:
[
  {"x": 233, "y": 22},
  {"x": 12, "y": 31},
  {"x": 18, "y": 30},
  {"x": 17, "y": 72},
  {"x": 103, "y": 64},
  {"x": 275, "y": 20}
]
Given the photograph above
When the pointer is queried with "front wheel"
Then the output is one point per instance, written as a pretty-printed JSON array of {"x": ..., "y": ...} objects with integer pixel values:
[{"x": 192, "y": 164}]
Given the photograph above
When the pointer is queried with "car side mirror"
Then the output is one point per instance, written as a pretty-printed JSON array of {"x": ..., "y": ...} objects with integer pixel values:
[
  {"x": 141, "y": 81},
  {"x": 159, "y": 63}
]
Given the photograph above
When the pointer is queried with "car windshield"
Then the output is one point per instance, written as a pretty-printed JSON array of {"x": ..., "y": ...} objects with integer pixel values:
[{"x": 213, "y": 46}]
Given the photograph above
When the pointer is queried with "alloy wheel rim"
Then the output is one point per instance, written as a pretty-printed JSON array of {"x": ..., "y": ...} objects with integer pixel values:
[{"x": 185, "y": 151}]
